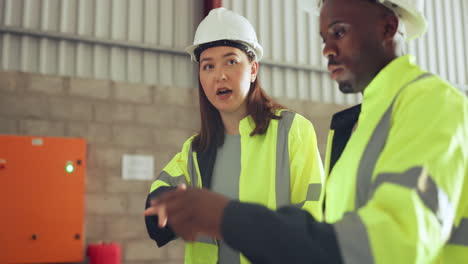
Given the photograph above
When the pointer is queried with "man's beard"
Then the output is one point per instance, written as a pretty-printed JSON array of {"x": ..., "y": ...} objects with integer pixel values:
[{"x": 346, "y": 87}]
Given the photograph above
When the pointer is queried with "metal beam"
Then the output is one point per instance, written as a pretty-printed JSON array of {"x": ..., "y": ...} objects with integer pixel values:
[
  {"x": 89, "y": 40},
  {"x": 293, "y": 66},
  {"x": 59, "y": 36}
]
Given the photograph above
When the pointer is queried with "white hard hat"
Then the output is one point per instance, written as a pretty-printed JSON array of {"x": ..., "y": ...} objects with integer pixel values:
[
  {"x": 409, "y": 12},
  {"x": 223, "y": 27}
]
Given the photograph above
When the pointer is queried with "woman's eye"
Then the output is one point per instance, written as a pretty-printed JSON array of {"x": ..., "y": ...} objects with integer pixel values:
[
  {"x": 231, "y": 62},
  {"x": 207, "y": 67}
]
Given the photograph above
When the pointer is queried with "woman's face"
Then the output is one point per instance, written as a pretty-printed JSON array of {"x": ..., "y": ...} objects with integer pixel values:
[{"x": 225, "y": 75}]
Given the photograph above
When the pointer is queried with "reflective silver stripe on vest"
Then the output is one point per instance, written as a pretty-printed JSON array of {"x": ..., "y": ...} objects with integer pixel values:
[
  {"x": 373, "y": 150},
  {"x": 353, "y": 240},
  {"x": 418, "y": 179},
  {"x": 227, "y": 255},
  {"x": 206, "y": 240},
  {"x": 171, "y": 180},
  {"x": 370, "y": 156},
  {"x": 192, "y": 170},
  {"x": 351, "y": 231},
  {"x": 460, "y": 234},
  {"x": 313, "y": 194},
  {"x": 283, "y": 192}
]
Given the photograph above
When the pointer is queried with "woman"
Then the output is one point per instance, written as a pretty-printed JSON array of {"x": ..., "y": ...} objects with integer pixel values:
[{"x": 249, "y": 147}]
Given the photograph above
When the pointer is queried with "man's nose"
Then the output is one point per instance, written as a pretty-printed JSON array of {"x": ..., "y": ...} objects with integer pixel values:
[{"x": 329, "y": 50}]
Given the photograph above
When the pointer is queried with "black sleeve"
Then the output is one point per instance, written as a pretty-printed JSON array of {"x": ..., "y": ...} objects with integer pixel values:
[
  {"x": 289, "y": 235},
  {"x": 162, "y": 236}
]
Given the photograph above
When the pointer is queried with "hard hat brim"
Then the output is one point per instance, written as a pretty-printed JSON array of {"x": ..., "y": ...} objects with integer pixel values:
[{"x": 258, "y": 51}]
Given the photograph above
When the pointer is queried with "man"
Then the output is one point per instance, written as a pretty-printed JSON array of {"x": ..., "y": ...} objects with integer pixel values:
[{"x": 397, "y": 190}]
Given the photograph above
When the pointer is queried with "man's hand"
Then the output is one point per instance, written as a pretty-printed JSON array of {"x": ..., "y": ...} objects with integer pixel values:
[{"x": 190, "y": 212}]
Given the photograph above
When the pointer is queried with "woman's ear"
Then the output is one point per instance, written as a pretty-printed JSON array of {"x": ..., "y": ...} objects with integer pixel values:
[{"x": 254, "y": 71}]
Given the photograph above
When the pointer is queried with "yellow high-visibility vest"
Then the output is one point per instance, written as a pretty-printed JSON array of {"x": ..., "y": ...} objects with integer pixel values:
[
  {"x": 280, "y": 167},
  {"x": 398, "y": 193}
]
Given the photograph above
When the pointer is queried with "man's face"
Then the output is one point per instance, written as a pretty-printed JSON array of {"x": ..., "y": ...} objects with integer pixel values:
[{"x": 352, "y": 42}]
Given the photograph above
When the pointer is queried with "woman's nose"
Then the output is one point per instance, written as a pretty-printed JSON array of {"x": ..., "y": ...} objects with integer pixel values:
[{"x": 221, "y": 75}]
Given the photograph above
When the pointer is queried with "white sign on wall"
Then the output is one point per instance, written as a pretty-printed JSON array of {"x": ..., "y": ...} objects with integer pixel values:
[{"x": 137, "y": 167}]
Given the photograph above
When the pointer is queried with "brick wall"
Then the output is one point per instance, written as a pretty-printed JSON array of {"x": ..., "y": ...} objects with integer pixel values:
[{"x": 117, "y": 118}]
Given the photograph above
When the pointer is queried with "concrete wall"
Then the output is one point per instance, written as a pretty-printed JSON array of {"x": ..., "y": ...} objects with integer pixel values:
[{"x": 117, "y": 118}]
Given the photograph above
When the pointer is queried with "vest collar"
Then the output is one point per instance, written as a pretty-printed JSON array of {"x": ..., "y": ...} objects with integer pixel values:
[
  {"x": 388, "y": 82},
  {"x": 246, "y": 126}
]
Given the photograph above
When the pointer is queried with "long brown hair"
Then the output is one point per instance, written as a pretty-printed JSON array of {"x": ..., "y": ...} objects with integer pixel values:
[{"x": 259, "y": 106}]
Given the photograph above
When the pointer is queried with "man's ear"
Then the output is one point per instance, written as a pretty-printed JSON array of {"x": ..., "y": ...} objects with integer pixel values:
[{"x": 391, "y": 24}]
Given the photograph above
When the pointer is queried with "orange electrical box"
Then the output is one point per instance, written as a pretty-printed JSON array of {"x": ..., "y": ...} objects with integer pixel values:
[{"x": 41, "y": 199}]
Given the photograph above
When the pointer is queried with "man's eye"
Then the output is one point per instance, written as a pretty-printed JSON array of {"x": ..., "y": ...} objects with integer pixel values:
[{"x": 339, "y": 33}]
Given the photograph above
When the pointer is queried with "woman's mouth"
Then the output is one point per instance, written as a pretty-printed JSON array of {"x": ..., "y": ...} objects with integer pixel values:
[{"x": 223, "y": 93}]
